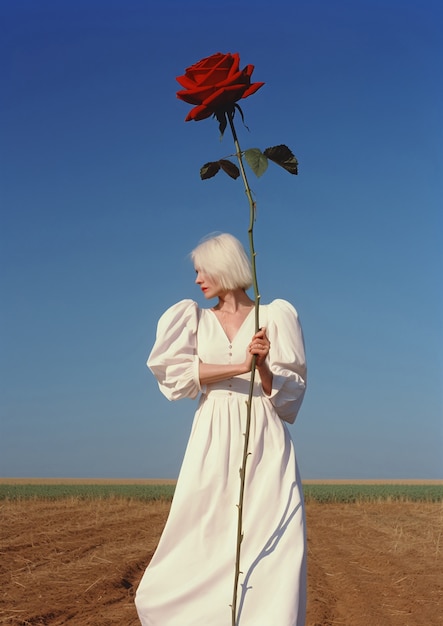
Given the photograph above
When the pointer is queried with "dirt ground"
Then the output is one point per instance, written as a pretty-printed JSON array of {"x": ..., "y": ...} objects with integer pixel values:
[{"x": 79, "y": 562}]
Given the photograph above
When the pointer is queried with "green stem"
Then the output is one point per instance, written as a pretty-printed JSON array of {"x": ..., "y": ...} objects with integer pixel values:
[{"x": 251, "y": 385}]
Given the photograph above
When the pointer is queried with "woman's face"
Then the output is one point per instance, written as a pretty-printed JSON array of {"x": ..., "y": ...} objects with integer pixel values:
[{"x": 209, "y": 286}]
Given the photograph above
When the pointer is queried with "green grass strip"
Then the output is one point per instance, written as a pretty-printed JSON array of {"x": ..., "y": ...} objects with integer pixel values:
[
  {"x": 86, "y": 491},
  {"x": 348, "y": 493},
  {"x": 321, "y": 493}
]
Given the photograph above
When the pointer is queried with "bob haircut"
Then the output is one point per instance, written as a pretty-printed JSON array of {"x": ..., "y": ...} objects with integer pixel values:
[{"x": 223, "y": 258}]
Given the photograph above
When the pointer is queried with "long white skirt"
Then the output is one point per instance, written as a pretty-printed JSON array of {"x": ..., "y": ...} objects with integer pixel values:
[{"x": 190, "y": 579}]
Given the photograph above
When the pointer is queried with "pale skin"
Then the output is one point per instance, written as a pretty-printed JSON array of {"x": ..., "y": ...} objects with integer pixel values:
[{"x": 232, "y": 309}]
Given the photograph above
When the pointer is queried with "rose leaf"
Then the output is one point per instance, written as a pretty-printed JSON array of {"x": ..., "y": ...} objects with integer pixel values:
[
  {"x": 209, "y": 170},
  {"x": 230, "y": 168},
  {"x": 284, "y": 157},
  {"x": 256, "y": 160}
]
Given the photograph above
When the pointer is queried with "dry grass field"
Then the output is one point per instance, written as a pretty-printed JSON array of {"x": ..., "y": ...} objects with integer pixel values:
[{"x": 78, "y": 562}]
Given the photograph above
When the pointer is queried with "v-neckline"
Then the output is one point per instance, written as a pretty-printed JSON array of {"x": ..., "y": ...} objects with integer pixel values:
[{"x": 231, "y": 339}]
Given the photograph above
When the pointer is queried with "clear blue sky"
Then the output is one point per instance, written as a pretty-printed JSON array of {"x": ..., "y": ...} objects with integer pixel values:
[{"x": 101, "y": 202}]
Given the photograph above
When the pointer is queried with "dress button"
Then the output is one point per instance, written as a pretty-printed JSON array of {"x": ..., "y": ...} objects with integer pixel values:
[
  {"x": 230, "y": 354},
  {"x": 230, "y": 346}
]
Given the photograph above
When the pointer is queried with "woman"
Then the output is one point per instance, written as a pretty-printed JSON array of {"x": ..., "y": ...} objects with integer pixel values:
[{"x": 208, "y": 351}]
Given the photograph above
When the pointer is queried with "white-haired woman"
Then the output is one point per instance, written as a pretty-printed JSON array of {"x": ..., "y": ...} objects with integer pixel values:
[{"x": 208, "y": 352}]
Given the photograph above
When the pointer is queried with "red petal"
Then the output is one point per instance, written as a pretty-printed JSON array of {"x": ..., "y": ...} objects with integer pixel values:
[
  {"x": 248, "y": 70},
  {"x": 185, "y": 82},
  {"x": 205, "y": 76},
  {"x": 235, "y": 63},
  {"x": 227, "y": 95},
  {"x": 235, "y": 79},
  {"x": 212, "y": 70},
  {"x": 198, "y": 113},
  {"x": 197, "y": 95},
  {"x": 208, "y": 62},
  {"x": 188, "y": 97},
  {"x": 252, "y": 89}
]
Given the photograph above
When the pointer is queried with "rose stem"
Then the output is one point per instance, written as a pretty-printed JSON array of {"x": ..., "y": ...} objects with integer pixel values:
[{"x": 251, "y": 385}]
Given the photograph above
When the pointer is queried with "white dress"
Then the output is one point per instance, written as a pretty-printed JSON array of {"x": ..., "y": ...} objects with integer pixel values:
[{"x": 189, "y": 581}]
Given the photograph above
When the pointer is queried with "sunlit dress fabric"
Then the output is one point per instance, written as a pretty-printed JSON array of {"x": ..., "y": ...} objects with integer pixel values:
[{"x": 189, "y": 581}]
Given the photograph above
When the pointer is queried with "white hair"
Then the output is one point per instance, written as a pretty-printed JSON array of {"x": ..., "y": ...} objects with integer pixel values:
[{"x": 223, "y": 258}]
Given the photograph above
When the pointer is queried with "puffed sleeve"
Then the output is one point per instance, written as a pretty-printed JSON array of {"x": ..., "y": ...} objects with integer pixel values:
[
  {"x": 286, "y": 360},
  {"x": 173, "y": 359}
]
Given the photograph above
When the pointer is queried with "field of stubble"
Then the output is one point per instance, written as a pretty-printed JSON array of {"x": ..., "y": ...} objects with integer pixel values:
[{"x": 78, "y": 562}]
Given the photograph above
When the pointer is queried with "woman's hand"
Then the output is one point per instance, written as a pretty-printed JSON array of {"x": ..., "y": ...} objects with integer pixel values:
[{"x": 260, "y": 347}]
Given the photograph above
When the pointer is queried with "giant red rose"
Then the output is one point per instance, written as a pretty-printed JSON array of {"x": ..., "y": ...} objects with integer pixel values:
[{"x": 215, "y": 84}]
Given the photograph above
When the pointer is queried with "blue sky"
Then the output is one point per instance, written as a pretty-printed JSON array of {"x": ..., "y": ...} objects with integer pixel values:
[{"x": 101, "y": 202}]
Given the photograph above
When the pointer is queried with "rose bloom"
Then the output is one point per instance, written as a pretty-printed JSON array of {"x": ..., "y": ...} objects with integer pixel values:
[{"x": 215, "y": 84}]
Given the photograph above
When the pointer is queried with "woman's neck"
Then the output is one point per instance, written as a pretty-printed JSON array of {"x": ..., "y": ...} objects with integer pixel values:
[{"x": 233, "y": 301}]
